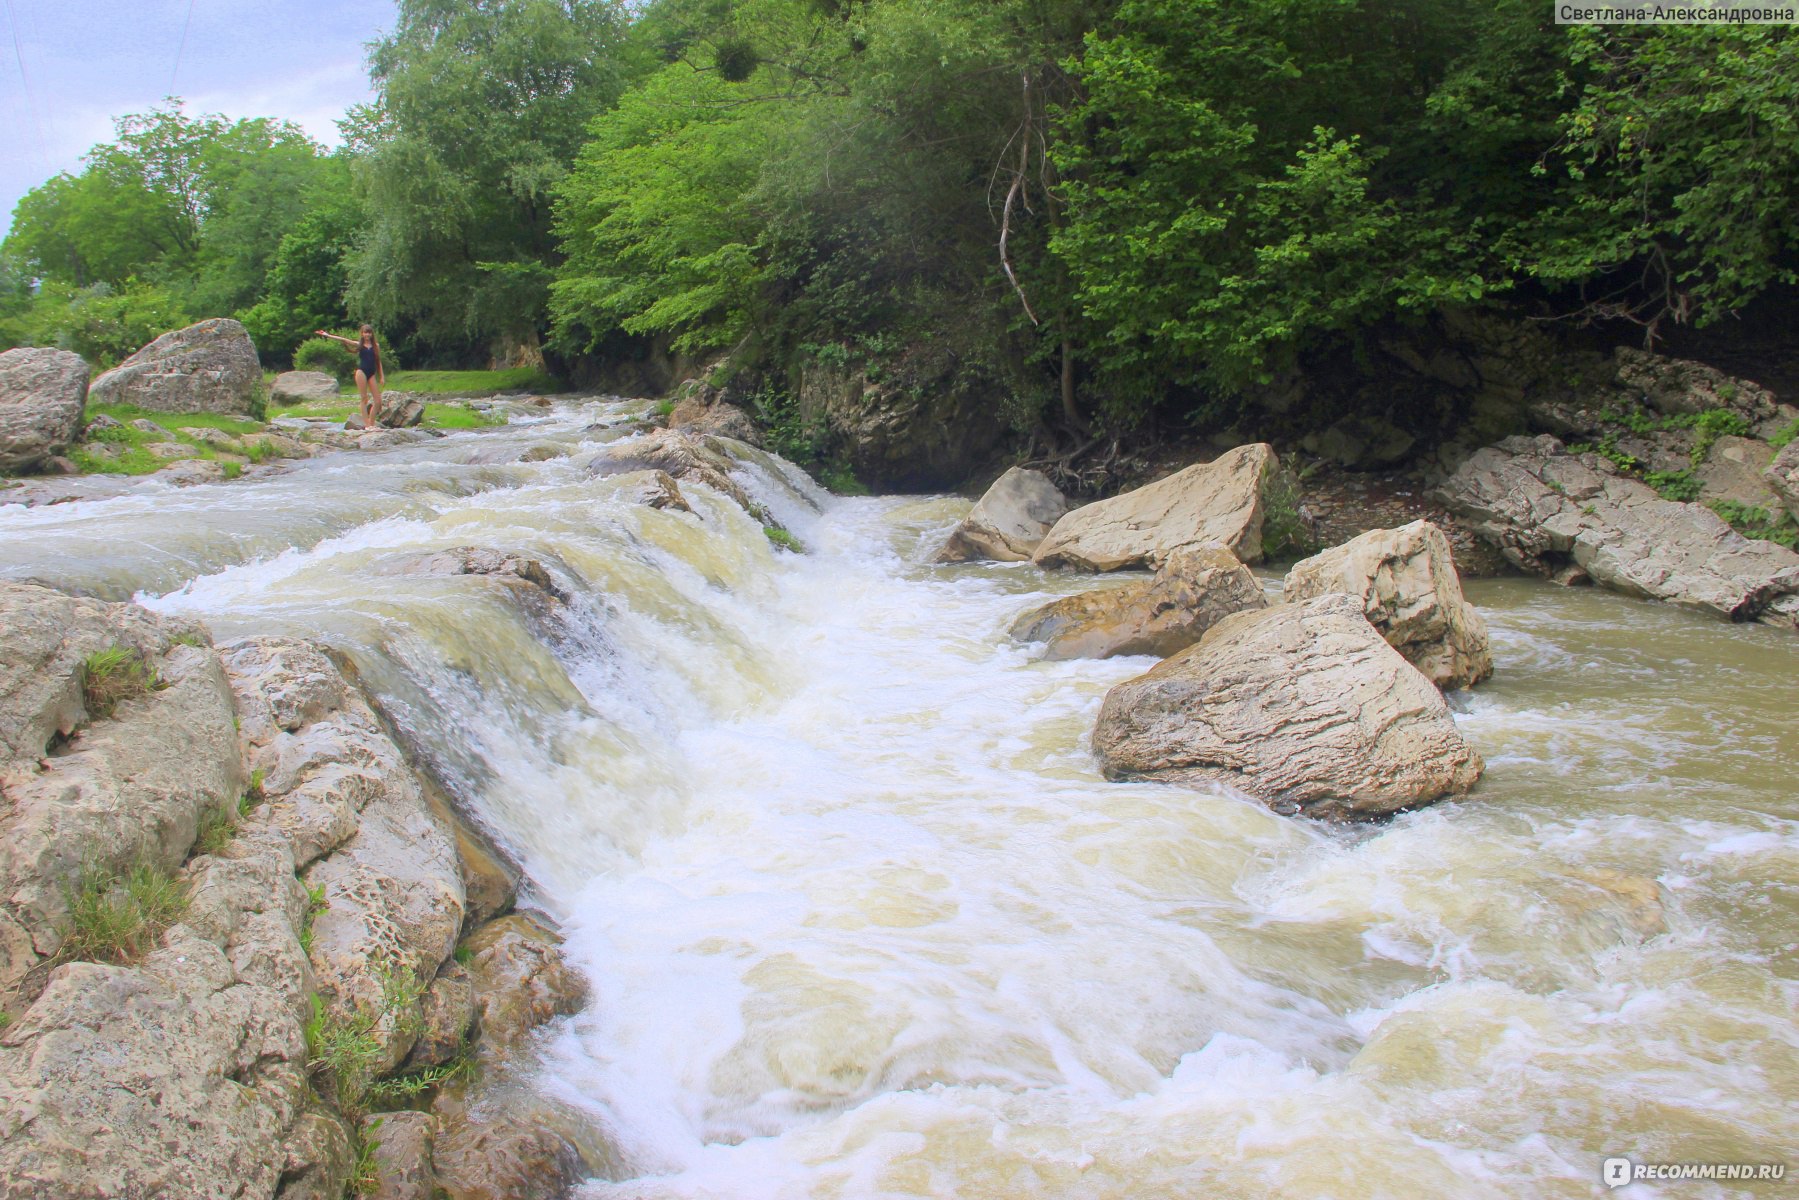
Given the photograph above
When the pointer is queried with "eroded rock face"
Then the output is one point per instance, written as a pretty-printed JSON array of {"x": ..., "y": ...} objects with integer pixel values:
[
  {"x": 448, "y": 1011},
  {"x": 1009, "y": 522},
  {"x": 520, "y": 980},
  {"x": 1219, "y": 501},
  {"x": 403, "y": 1155},
  {"x": 1194, "y": 590},
  {"x": 1683, "y": 386},
  {"x": 127, "y": 788},
  {"x": 43, "y": 393},
  {"x": 1549, "y": 511},
  {"x": 361, "y": 827},
  {"x": 1406, "y": 581},
  {"x": 657, "y": 489},
  {"x": 503, "y": 565},
  {"x": 1734, "y": 471},
  {"x": 681, "y": 456},
  {"x": 701, "y": 411},
  {"x": 207, "y": 367},
  {"x": 293, "y": 387},
  {"x": 1782, "y": 475},
  {"x": 1303, "y": 706}
]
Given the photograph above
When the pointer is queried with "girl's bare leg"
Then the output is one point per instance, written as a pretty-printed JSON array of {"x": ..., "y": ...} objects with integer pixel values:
[
  {"x": 374, "y": 403},
  {"x": 362, "y": 392}
]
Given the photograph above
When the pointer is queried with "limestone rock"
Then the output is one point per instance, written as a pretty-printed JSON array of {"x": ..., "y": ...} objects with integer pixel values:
[
  {"x": 43, "y": 393},
  {"x": 447, "y": 1011},
  {"x": 208, "y": 367},
  {"x": 1407, "y": 583},
  {"x": 361, "y": 826},
  {"x": 686, "y": 457},
  {"x": 402, "y": 1155},
  {"x": 399, "y": 410},
  {"x": 1734, "y": 471},
  {"x": 657, "y": 489},
  {"x": 171, "y": 451},
  {"x": 1194, "y": 590},
  {"x": 1678, "y": 385},
  {"x": 1548, "y": 510},
  {"x": 1782, "y": 475},
  {"x": 1303, "y": 706},
  {"x": 520, "y": 980},
  {"x": 714, "y": 416},
  {"x": 1361, "y": 442},
  {"x": 319, "y": 1159},
  {"x": 1009, "y": 522},
  {"x": 1219, "y": 501},
  {"x": 191, "y": 473},
  {"x": 294, "y": 387},
  {"x": 487, "y": 561},
  {"x": 490, "y": 1152}
]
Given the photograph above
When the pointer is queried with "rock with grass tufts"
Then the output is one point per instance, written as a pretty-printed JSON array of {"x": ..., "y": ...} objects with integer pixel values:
[
  {"x": 1008, "y": 522},
  {"x": 1782, "y": 476},
  {"x": 1564, "y": 515},
  {"x": 1406, "y": 581},
  {"x": 1217, "y": 502},
  {"x": 1195, "y": 589},
  {"x": 207, "y": 367},
  {"x": 1303, "y": 706},
  {"x": 43, "y": 393}
]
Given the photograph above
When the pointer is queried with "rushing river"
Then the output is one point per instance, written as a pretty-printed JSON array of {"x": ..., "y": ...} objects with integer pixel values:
[{"x": 863, "y": 919}]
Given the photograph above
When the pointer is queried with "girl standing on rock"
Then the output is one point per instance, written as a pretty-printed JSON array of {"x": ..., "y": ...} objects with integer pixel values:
[{"x": 370, "y": 375}]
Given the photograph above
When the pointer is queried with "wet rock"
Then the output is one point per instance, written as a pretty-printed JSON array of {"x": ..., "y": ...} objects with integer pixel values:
[
  {"x": 1782, "y": 476},
  {"x": 319, "y": 1159},
  {"x": 1009, "y": 522},
  {"x": 207, "y": 367},
  {"x": 482, "y": 560},
  {"x": 447, "y": 1012},
  {"x": 1219, "y": 501},
  {"x": 1637, "y": 899},
  {"x": 1194, "y": 590},
  {"x": 277, "y": 444},
  {"x": 295, "y": 387},
  {"x": 657, "y": 489},
  {"x": 1303, "y": 706},
  {"x": 520, "y": 981},
  {"x": 496, "y": 1151},
  {"x": 1546, "y": 509},
  {"x": 403, "y": 1159},
  {"x": 701, "y": 410},
  {"x": 363, "y": 832},
  {"x": 125, "y": 789},
  {"x": 43, "y": 393},
  {"x": 1407, "y": 583},
  {"x": 682, "y": 456}
]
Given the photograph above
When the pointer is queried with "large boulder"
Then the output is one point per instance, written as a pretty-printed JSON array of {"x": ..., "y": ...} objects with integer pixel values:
[
  {"x": 1009, "y": 522},
  {"x": 1406, "y": 581},
  {"x": 1219, "y": 501},
  {"x": 1782, "y": 475},
  {"x": 43, "y": 393},
  {"x": 208, "y": 367},
  {"x": 1194, "y": 590},
  {"x": 295, "y": 387},
  {"x": 1734, "y": 472},
  {"x": 1681, "y": 386},
  {"x": 1303, "y": 706},
  {"x": 1570, "y": 516}
]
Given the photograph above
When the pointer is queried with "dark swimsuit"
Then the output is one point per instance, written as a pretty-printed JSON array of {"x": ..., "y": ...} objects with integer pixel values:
[{"x": 369, "y": 361}]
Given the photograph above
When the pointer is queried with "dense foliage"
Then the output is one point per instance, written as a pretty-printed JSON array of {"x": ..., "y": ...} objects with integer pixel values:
[{"x": 1107, "y": 207}]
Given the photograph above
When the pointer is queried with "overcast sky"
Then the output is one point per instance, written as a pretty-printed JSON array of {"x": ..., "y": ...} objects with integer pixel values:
[{"x": 68, "y": 67}]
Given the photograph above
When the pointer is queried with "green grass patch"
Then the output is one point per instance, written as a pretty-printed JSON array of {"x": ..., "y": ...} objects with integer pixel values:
[
  {"x": 515, "y": 379},
  {"x": 113, "y": 675},
  {"x": 215, "y": 832},
  {"x": 457, "y": 416},
  {"x": 837, "y": 477},
  {"x": 117, "y": 918},
  {"x": 1784, "y": 437},
  {"x": 1754, "y": 522},
  {"x": 1674, "y": 485},
  {"x": 345, "y": 1046},
  {"x": 781, "y": 538},
  {"x": 126, "y": 413}
]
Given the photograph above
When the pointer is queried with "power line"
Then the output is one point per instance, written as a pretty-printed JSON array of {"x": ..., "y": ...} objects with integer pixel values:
[
  {"x": 18, "y": 53},
  {"x": 182, "y": 48}
]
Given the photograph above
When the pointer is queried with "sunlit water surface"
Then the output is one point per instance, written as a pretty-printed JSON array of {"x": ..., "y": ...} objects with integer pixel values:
[{"x": 863, "y": 919}]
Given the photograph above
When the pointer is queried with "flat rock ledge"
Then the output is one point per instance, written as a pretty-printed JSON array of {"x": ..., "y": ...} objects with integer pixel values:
[
  {"x": 1407, "y": 583},
  {"x": 1217, "y": 502},
  {"x": 1303, "y": 706},
  {"x": 1195, "y": 589},
  {"x": 1574, "y": 518}
]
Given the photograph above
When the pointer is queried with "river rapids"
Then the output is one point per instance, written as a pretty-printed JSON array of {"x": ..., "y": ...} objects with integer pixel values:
[{"x": 864, "y": 920}]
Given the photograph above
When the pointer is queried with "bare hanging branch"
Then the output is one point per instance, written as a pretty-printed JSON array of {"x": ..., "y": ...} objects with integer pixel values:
[{"x": 1023, "y": 138}]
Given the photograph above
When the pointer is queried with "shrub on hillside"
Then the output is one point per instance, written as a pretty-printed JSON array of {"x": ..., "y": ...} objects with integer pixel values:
[{"x": 321, "y": 354}]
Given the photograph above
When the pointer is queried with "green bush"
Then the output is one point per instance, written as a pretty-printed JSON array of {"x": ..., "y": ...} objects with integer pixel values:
[{"x": 323, "y": 354}]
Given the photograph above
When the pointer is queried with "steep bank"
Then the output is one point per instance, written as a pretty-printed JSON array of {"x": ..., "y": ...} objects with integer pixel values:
[{"x": 861, "y": 915}]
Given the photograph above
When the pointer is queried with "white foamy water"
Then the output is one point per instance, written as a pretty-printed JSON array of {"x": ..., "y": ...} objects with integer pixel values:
[{"x": 863, "y": 920}]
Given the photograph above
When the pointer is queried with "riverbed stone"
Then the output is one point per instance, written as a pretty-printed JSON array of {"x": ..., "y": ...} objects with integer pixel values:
[
  {"x": 1008, "y": 522},
  {"x": 403, "y": 1160},
  {"x": 296, "y": 387},
  {"x": 1407, "y": 583},
  {"x": 1216, "y": 502},
  {"x": 1550, "y": 512},
  {"x": 521, "y": 980},
  {"x": 505, "y": 566},
  {"x": 447, "y": 1013},
  {"x": 1303, "y": 706},
  {"x": 1195, "y": 589},
  {"x": 43, "y": 394},
  {"x": 210, "y": 366}
]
